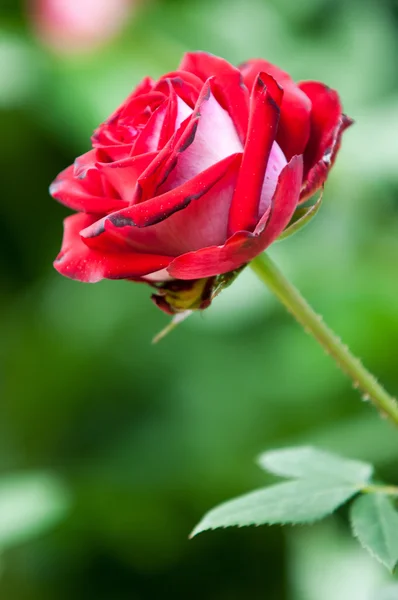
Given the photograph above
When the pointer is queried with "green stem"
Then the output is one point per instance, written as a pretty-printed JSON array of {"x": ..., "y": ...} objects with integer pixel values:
[
  {"x": 389, "y": 490},
  {"x": 269, "y": 273}
]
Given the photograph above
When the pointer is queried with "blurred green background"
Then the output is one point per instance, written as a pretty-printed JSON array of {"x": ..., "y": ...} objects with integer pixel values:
[{"x": 111, "y": 449}]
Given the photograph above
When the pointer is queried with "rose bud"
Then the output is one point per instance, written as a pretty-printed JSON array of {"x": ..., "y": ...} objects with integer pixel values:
[{"x": 194, "y": 175}]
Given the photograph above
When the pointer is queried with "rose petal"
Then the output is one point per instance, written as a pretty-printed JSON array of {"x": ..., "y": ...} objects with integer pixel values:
[
  {"x": 143, "y": 88},
  {"x": 82, "y": 187},
  {"x": 284, "y": 203},
  {"x": 183, "y": 112},
  {"x": 178, "y": 109},
  {"x": 228, "y": 88},
  {"x": 210, "y": 137},
  {"x": 264, "y": 115},
  {"x": 148, "y": 138},
  {"x": 177, "y": 112},
  {"x": 77, "y": 261},
  {"x": 123, "y": 174},
  {"x": 276, "y": 162},
  {"x": 243, "y": 246},
  {"x": 202, "y": 223},
  {"x": 294, "y": 124},
  {"x": 327, "y": 125},
  {"x": 187, "y": 86},
  {"x": 113, "y": 152},
  {"x": 325, "y": 116},
  {"x": 160, "y": 167},
  {"x": 127, "y": 121}
]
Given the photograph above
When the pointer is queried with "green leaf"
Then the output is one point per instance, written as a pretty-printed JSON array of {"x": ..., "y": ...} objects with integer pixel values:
[
  {"x": 29, "y": 504},
  {"x": 374, "y": 522},
  {"x": 306, "y": 462},
  {"x": 301, "y": 501},
  {"x": 301, "y": 217}
]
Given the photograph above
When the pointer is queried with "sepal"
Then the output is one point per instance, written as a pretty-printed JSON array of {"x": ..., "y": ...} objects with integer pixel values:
[{"x": 301, "y": 217}]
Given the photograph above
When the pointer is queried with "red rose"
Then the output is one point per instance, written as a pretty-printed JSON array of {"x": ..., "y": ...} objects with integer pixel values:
[{"x": 194, "y": 175}]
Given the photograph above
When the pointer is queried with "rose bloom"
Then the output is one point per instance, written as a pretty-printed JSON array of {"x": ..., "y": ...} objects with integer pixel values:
[{"x": 194, "y": 175}]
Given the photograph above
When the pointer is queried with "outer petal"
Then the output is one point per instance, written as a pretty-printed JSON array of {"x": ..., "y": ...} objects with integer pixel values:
[
  {"x": 327, "y": 125},
  {"x": 77, "y": 261},
  {"x": 202, "y": 222},
  {"x": 229, "y": 89},
  {"x": 284, "y": 203},
  {"x": 294, "y": 125},
  {"x": 82, "y": 187},
  {"x": 205, "y": 65},
  {"x": 244, "y": 246},
  {"x": 162, "y": 206},
  {"x": 264, "y": 116}
]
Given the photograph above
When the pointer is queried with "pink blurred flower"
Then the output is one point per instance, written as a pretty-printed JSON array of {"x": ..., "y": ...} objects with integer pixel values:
[{"x": 74, "y": 26}]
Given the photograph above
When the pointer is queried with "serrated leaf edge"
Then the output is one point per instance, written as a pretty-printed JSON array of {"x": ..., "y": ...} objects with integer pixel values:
[
  {"x": 364, "y": 546},
  {"x": 199, "y": 529}
]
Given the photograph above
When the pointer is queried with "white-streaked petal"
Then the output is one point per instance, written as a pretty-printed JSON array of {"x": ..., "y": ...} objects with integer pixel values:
[
  {"x": 215, "y": 139},
  {"x": 277, "y": 161}
]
